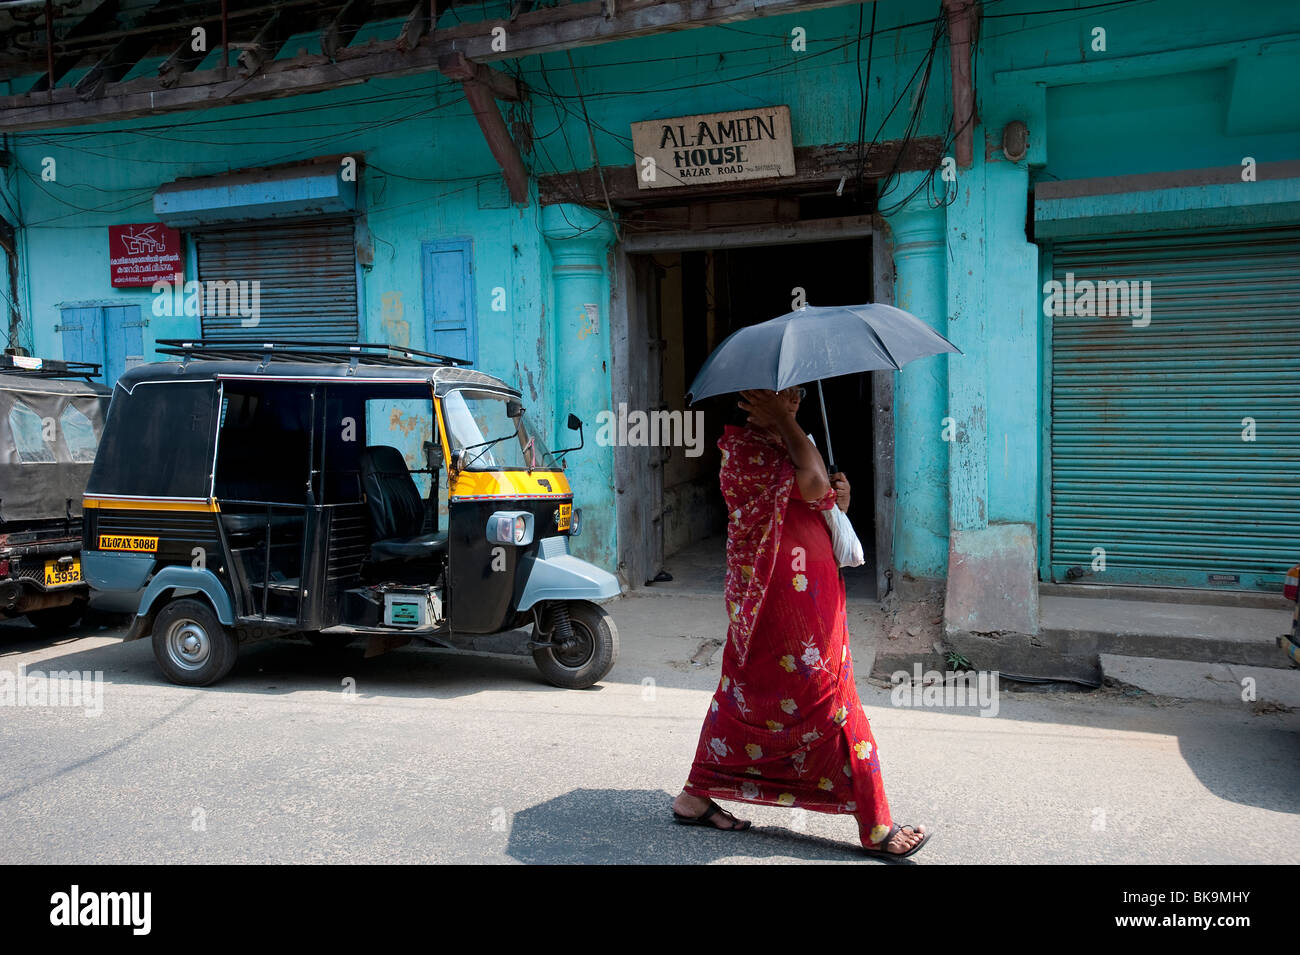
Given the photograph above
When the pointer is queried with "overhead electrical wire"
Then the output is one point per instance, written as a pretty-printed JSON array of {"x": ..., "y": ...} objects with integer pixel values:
[{"x": 564, "y": 113}]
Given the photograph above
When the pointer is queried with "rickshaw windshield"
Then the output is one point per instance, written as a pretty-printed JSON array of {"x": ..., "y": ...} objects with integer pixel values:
[{"x": 488, "y": 438}]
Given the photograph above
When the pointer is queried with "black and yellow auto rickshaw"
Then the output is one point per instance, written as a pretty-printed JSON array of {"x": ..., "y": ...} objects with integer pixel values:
[
  {"x": 51, "y": 418},
  {"x": 248, "y": 490}
]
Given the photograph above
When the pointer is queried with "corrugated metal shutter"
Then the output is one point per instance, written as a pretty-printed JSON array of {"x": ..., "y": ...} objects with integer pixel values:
[
  {"x": 1148, "y": 458},
  {"x": 307, "y": 272}
]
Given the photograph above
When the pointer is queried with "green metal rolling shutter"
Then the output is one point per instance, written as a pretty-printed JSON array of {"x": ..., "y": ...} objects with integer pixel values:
[
  {"x": 1148, "y": 459},
  {"x": 307, "y": 275}
]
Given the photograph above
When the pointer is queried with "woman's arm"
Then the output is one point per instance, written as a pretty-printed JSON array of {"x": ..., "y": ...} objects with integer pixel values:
[{"x": 767, "y": 409}]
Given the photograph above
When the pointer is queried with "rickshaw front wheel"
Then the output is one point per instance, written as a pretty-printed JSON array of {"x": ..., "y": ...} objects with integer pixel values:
[
  {"x": 191, "y": 645},
  {"x": 589, "y": 656}
]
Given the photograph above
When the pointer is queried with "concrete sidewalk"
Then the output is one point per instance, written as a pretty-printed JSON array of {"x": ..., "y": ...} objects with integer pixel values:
[
  {"x": 1205, "y": 633},
  {"x": 1192, "y": 644}
]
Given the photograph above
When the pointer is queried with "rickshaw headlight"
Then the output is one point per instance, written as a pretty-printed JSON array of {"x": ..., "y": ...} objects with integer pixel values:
[
  {"x": 510, "y": 527},
  {"x": 575, "y": 522}
]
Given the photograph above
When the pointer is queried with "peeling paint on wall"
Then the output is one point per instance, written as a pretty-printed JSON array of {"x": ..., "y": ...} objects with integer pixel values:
[
  {"x": 405, "y": 424},
  {"x": 398, "y": 331}
]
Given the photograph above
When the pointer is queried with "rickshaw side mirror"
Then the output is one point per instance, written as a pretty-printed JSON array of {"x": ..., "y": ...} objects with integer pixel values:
[
  {"x": 575, "y": 424},
  {"x": 514, "y": 409}
]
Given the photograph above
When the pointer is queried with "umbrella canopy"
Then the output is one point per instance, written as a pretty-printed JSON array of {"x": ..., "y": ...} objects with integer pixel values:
[{"x": 812, "y": 343}]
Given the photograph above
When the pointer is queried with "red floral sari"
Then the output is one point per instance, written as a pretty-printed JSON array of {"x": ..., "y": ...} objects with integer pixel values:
[{"x": 785, "y": 727}]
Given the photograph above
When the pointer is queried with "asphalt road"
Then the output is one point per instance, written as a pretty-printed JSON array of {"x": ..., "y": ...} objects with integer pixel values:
[{"x": 424, "y": 756}]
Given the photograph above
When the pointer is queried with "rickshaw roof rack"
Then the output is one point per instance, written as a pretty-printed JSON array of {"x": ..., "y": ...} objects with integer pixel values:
[
  {"x": 47, "y": 367},
  {"x": 303, "y": 350}
]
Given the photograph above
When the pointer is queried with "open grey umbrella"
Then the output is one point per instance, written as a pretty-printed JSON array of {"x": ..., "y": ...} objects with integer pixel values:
[{"x": 813, "y": 343}]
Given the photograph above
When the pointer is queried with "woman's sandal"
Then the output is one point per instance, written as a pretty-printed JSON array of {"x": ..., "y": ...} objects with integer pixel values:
[
  {"x": 886, "y": 854},
  {"x": 703, "y": 819}
]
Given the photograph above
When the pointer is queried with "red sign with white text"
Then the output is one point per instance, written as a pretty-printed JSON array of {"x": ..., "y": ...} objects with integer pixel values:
[{"x": 143, "y": 254}]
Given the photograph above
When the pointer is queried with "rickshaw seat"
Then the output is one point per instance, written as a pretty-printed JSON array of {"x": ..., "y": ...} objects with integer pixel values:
[
  {"x": 426, "y": 545},
  {"x": 396, "y": 508}
]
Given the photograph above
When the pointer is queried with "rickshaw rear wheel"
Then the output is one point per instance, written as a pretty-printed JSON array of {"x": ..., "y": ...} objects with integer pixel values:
[
  {"x": 592, "y": 654},
  {"x": 191, "y": 645}
]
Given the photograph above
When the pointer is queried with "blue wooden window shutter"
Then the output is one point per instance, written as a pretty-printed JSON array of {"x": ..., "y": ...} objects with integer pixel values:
[{"x": 449, "y": 324}]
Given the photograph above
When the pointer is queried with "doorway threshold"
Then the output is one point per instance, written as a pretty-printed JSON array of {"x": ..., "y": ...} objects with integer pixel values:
[{"x": 700, "y": 569}]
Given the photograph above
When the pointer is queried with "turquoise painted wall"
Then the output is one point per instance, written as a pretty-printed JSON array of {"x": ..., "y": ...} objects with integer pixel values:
[
  {"x": 425, "y": 162},
  {"x": 1180, "y": 85}
]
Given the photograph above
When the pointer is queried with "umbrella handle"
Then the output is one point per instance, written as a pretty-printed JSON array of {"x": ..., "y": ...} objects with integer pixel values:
[{"x": 830, "y": 453}]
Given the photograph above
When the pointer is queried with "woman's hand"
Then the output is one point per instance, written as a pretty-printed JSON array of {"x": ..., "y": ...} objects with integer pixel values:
[
  {"x": 841, "y": 485},
  {"x": 767, "y": 409},
  {"x": 774, "y": 412}
]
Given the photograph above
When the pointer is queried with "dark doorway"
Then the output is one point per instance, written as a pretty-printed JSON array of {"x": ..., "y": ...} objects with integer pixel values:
[{"x": 697, "y": 299}]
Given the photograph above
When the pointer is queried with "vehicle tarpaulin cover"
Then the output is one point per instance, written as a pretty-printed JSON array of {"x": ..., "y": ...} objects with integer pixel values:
[{"x": 49, "y": 430}]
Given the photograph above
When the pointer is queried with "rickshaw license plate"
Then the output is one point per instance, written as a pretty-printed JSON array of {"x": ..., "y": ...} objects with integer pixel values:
[
  {"x": 146, "y": 545},
  {"x": 57, "y": 575},
  {"x": 562, "y": 517}
]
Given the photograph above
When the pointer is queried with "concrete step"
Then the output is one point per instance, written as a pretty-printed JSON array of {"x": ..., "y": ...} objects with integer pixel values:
[
  {"x": 1158, "y": 629},
  {"x": 1179, "y": 595}
]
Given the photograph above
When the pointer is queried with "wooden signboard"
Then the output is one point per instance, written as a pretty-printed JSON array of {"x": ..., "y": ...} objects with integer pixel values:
[{"x": 714, "y": 147}]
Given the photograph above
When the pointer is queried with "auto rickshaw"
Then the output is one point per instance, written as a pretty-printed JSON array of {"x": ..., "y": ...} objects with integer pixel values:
[
  {"x": 1290, "y": 641},
  {"x": 51, "y": 417},
  {"x": 247, "y": 490}
]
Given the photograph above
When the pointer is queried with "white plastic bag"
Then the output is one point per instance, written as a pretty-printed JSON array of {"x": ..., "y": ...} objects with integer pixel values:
[
  {"x": 844, "y": 541},
  {"x": 848, "y": 549}
]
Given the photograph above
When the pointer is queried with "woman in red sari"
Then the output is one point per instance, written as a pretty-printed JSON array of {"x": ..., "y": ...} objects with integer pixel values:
[{"x": 785, "y": 727}]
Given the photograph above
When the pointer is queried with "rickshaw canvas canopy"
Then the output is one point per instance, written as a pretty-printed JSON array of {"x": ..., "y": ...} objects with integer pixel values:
[{"x": 41, "y": 489}]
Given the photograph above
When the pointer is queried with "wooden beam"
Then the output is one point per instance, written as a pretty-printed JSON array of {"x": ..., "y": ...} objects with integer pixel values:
[
  {"x": 24, "y": 58},
  {"x": 961, "y": 25},
  {"x": 268, "y": 41},
  {"x": 747, "y": 236},
  {"x": 49, "y": 45},
  {"x": 504, "y": 150},
  {"x": 92, "y": 21},
  {"x": 123, "y": 55},
  {"x": 816, "y": 168},
  {"x": 483, "y": 86},
  {"x": 457, "y": 66},
  {"x": 415, "y": 27},
  {"x": 184, "y": 58},
  {"x": 340, "y": 30},
  {"x": 543, "y": 30}
]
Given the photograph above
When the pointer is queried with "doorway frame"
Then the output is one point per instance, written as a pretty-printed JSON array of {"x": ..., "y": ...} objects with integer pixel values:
[{"x": 627, "y": 315}]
